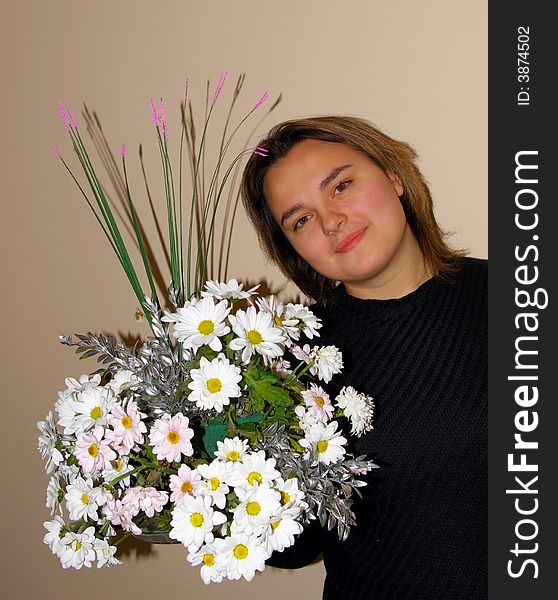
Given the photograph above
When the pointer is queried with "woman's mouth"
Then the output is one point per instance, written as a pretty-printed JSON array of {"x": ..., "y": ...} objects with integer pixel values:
[{"x": 350, "y": 241}]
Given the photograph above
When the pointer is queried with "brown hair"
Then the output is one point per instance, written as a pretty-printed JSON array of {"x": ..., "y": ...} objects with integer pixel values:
[{"x": 392, "y": 156}]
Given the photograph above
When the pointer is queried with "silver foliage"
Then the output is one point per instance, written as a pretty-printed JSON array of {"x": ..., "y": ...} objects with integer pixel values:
[{"x": 328, "y": 489}]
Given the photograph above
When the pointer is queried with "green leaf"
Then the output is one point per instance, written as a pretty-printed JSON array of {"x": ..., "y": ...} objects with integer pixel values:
[{"x": 262, "y": 392}]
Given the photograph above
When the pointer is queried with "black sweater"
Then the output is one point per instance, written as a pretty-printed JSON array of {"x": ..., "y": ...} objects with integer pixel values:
[{"x": 422, "y": 525}]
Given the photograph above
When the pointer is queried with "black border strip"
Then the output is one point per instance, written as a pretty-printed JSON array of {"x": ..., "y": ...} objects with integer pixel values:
[{"x": 522, "y": 128}]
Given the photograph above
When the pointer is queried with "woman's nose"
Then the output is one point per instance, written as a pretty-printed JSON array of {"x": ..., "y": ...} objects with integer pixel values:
[{"x": 332, "y": 222}]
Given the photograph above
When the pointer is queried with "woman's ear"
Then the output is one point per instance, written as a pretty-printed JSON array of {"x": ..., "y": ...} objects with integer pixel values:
[{"x": 396, "y": 182}]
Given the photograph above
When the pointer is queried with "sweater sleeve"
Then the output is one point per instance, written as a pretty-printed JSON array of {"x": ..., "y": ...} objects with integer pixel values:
[{"x": 304, "y": 551}]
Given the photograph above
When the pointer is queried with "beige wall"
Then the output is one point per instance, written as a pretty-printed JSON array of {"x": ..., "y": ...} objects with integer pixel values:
[{"x": 417, "y": 69}]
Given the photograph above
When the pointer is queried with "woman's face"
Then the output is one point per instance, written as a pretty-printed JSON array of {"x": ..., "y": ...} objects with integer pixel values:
[{"x": 342, "y": 214}]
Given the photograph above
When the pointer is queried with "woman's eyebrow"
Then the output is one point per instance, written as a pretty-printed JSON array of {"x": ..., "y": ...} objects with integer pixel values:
[
  {"x": 290, "y": 212},
  {"x": 333, "y": 174}
]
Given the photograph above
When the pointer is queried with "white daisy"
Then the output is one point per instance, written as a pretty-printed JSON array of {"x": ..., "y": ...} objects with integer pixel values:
[
  {"x": 77, "y": 549},
  {"x": 170, "y": 437},
  {"x": 54, "y": 495},
  {"x": 214, "y": 383},
  {"x": 186, "y": 481},
  {"x": 241, "y": 555},
  {"x": 318, "y": 403},
  {"x": 306, "y": 419},
  {"x": 214, "y": 483},
  {"x": 80, "y": 501},
  {"x": 205, "y": 556},
  {"x": 123, "y": 380},
  {"x": 47, "y": 443},
  {"x": 292, "y": 498},
  {"x": 93, "y": 407},
  {"x": 256, "y": 509},
  {"x": 200, "y": 323},
  {"x": 65, "y": 405},
  {"x": 281, "y": 532},
  {"x": 358, "y": 408},
  {"x": 256, "y": 334},
  {"x": 305, "y": 319},
  {"x": 282, "y": 368},
  {"x": 327, "y": 362},
  {"x": 116, "y": 469},
  {"x": 53, "y": 537},
  {"x": 254, "y": 469},
  {"x": 105, "y": 554},
  {"x": 324, "y": 443},
  {"x": 281, "y": 320},
  {"x": 223, "y": 291},
  {"x": 69, "y": 472},
  {"x": 193, "y": 521},
  {"x": 231, "y": 449}
]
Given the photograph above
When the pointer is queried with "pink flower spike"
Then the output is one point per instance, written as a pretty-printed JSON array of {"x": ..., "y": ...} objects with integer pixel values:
[
  {"x": 74, "y": 124},
  {"x": 154, "y": 113},
  {"x": 56, "y": 151},
  {"x": 261, "y": 100},
  {"x": 123, "y": 150},
  {"x": 63, "y": 115},
  {"x": 260, "y": 151},
  {"x": 163, "y": 118},
  {"x": 219, "y": 86}
]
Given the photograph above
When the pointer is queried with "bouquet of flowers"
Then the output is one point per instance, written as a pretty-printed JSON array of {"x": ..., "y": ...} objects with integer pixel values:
[{"x": 215, "y": 432}]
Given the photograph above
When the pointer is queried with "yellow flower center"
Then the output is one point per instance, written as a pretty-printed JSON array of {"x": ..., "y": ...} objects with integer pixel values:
[
  {"x": 215, "y": 483},
  {"x": 196, "y": 520},
  {"x": 233, "y": 456},
  {"x": 319, "y": 401},
  {"x": 77, "y": 545},
  {"x": 253, "y": 508},
  {"x": 278, "y": 320},
  {"x": 275, "y": 525},
  {"x": 84, "y": 499},
  {"x": 285, "y": 498},
  {"x": 254, "y": 337},
  {"x": 118, "y": 465},
  {"x": 322, "y": 446},
  {"x": 95, "y": 412},
  {"x": 186, "y": 487},
  {"x": 213, "y": 385},
  {"x": 92, "y": 450},
  {"x": 208, "y": 559},
  {"x": 126, "y": 422},
  {"x": 254, "y": 477},
  {"x": 173, "y": 437},
  {"x": 206, "y": 327},
  {"x": 240, "y": 551}
]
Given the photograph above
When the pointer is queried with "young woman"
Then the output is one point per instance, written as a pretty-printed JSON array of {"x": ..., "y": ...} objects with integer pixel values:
[{"x": 344, "y": 212}]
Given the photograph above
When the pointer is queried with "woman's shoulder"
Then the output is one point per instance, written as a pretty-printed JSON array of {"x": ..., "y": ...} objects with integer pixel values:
[{"x": 473, "y": 272}]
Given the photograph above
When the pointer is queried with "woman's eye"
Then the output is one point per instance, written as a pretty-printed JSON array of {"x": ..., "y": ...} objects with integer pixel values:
[
  {"x": 300, "y": 222},
  {"x": 341, "y": 186}
]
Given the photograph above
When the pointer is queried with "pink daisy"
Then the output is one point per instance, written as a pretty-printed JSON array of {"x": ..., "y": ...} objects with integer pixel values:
[
  {"x": 187, "y": 481},
  {"x": 128, "y": 427},
  {"x": 318, "y": 403},
  {"x": 121, "y": 514},
  {"x": 93, "y": 452},
  {"x": 170, "y": 437},
  {"x": 146, "y": 499}
]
